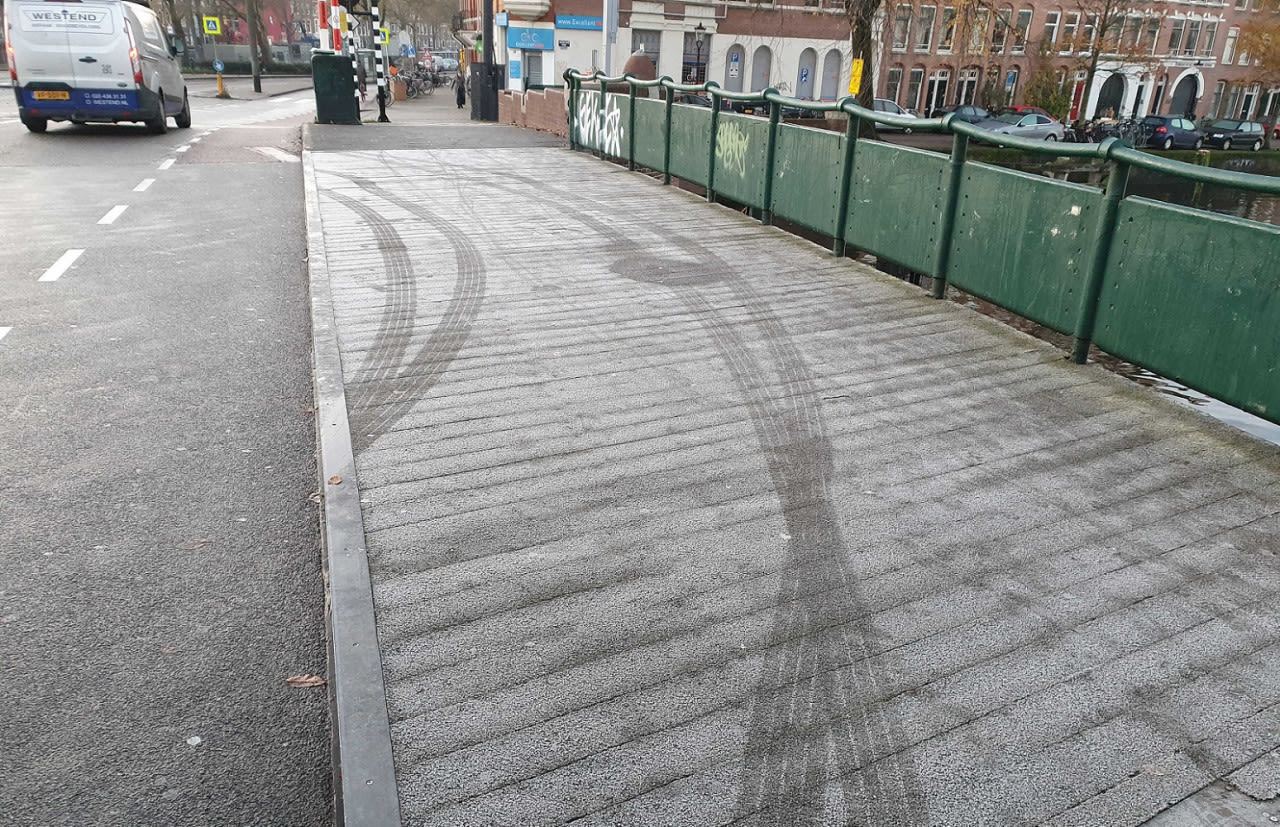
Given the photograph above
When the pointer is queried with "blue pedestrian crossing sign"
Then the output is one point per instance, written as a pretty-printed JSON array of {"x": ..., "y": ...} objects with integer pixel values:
[{"x": 212, "y": 25}]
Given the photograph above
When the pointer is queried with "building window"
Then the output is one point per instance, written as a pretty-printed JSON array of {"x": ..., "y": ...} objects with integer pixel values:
[
  {"x": 1051, "y": 27},
  {"x": 1233, "y": 101},
  {"x": 936, "y": 95},
  {"x": 650, "y": 41},
  {"x": 1241, "y": 5},
  {"x": 893, "y": 84},
  {"x": 1175, "y": 35},
  {"x": 695, "y": 58},
  {"x": 1069, "y": 24},
  {"x": 1090, "y": 32},
  {"x": 948, "y": 37},
  {"x": 1229, "y": 50},
  {"x": 967, "y": 87},
  {"x": 1000, "y": 32},
  {"x": 1153, "y": 33},
  {"x": 914, "y": 81},
  {"x": 924, "y": 28},
  {"x": 1010, "y": 83},
  {"x": 1020, "y": 32},
  {"x": 1215, "y": 108},
  {"x": 1132, "y": 34},
  {"x": 1210, "y": 34},
  {"x": 1193, "y": 36},
  {"x": 902, "y": 28},
  {"x": 978, "y": 26}
]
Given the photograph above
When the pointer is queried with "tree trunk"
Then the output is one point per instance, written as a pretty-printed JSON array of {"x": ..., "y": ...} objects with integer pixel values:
[
  {"x": 175, "y": 20},
  {"x": 861, "y": 13}
]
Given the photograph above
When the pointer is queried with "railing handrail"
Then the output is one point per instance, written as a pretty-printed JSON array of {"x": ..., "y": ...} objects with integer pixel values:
[{"x": 1110, "y": 149}]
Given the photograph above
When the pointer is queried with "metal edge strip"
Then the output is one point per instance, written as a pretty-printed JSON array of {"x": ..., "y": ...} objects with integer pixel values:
[{"x": 364, "y": 782}]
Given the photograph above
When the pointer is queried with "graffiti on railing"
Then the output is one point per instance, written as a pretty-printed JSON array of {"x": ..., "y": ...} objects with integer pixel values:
[
  {"x": 732, "y": 143},
  {"x": 597, "y": 129}
]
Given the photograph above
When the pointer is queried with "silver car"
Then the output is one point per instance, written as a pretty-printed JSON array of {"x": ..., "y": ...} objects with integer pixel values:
[{"x": 1029, "y": 125}]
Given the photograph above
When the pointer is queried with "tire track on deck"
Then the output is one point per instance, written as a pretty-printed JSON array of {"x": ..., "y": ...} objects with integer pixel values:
[
  {"x": 383, "y": 403},
  {"x": 804, "y": 735}
]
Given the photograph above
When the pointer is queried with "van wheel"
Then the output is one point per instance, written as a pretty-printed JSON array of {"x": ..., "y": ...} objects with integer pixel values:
[
  {"x": 1226, "y": 144},
  {"x": 183, "y": 118},
  {"x": 159, "y": 124},
  {"x": 36, "y": 125},
  {"x": 1167, "y": 145}
]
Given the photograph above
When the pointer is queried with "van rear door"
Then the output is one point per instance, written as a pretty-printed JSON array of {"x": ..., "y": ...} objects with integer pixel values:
[{"x": 83, "y": 45}]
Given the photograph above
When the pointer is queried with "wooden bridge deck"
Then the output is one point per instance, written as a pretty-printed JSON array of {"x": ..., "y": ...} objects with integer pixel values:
[{"x": 675, "y": 519}]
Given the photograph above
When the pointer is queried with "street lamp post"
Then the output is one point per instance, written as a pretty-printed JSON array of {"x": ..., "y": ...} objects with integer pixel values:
[{"x": 699, "y": 31}]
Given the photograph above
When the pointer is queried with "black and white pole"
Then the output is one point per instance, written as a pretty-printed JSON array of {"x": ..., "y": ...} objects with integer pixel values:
[
  {"x": 351, "y": 50},
  {"x": 380, "y": 51}
]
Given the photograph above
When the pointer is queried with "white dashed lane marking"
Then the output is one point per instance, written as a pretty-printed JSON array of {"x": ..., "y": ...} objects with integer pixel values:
[
  {"x": 113, "y": 213},
  {"x": 146, "y": 182},
  {"x": 277, "y": 154},
  {"x": 4, "y": 331},
  {"x": 166, "y": 163},
  {"x": 61, "y": 265}
]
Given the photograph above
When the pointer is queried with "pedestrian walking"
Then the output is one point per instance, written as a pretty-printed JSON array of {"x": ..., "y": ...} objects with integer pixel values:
[{"x": 460, "y": 89}]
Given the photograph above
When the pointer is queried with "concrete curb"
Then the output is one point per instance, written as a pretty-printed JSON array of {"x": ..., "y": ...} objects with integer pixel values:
[{"x": 364, "y": 782}]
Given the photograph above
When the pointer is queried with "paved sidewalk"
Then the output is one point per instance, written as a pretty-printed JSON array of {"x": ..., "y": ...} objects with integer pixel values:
[{"x": 672, "y": 518}]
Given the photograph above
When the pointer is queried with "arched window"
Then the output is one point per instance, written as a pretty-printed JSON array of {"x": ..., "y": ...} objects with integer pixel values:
[
  {"x": 832, "y": 69},
  {"x": 735, "y": 64},
  {"x": 761, "y": 68},
  {"x": 804, "y": 74}
]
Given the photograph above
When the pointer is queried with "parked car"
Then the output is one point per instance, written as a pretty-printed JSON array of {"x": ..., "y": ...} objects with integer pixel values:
[
  {"x": 889, "y": 107},
  {"x": 965, "y": 112},
  {"x": 1023, "y": 109},
  {"x": 1030, "y": 125},
  {"x": 1240, "y": 134},
  {"x": 1168, "y": 131}
]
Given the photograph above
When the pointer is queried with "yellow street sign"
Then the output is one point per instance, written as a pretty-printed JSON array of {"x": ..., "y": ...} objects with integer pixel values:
[
  {"x": 855, "y": 77},
  {"x": 212, "y": 25},
  {"x": 386, "y": 36}
]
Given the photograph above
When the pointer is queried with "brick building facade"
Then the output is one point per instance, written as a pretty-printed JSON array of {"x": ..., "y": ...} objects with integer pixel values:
[{"x": 1166, "y": 56}]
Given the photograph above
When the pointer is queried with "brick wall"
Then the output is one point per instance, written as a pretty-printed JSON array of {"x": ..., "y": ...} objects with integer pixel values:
[{"x": 543, "y": 110}]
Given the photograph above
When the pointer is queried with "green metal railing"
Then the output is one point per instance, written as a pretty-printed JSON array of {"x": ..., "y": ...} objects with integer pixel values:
[{"x": 1188, "y": 294}]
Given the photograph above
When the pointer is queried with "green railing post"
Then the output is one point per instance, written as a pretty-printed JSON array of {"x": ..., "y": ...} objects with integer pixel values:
[
  {"x": 959, "y": 148},
  {"x": 604, "y": 93},
  {"x": 574, "y": 86},
  {"x": 631, "y": 122},
  {"x": 770, "y": 150},
  {"x": 666, "y": 134},
  {"x": 846, "y": 178},
  {"x": 1117, "y": 181},
  {"x": 711, "y": 146}
]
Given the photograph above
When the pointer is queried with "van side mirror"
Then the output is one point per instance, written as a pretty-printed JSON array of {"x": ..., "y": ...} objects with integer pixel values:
[{"x": 177, "y": 48}]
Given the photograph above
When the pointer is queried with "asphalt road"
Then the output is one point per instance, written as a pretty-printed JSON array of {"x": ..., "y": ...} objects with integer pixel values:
[{"x": 159, "y": 557}]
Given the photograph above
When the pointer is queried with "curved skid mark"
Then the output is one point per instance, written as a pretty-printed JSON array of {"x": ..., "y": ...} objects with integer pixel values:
[
  {"x": 805, "y": 733},
  {"x": 395, "y": 327},
  {"x": 391, "y": 395}
]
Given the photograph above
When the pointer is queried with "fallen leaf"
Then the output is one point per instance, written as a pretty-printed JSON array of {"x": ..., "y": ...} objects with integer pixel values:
[
  {"x": 316, "y": 497},
  {"x": 195, "y": 740},
  {"x": 335, "y": 480},
  {"x": 305, "y": 681},
  {"x": 192, "y": 545}
]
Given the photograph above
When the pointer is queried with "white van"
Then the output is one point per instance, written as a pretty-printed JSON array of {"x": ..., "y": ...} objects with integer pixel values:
[{"x": 99, "y": 61}]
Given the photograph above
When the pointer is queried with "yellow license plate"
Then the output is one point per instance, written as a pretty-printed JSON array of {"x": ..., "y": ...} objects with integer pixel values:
[{"x": 52, "y": 96}]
